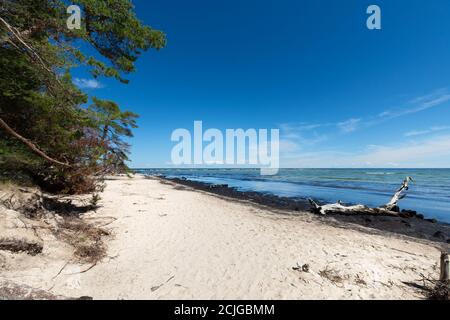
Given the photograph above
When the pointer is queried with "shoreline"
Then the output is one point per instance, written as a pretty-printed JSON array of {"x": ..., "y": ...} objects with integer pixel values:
[
  {"x": 427, "y": 195},
  {"x": 171, "y": 241},
  {"x": 406, "y": 224}
]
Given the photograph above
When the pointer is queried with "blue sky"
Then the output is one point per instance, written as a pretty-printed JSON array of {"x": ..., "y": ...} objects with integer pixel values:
[{"x": 342, "y": 95}]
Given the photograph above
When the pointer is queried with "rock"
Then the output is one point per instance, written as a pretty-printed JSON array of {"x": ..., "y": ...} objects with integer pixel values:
[
  {"x": 218, "y": 186},
  {"x": 406, "y": 223},
  {"x": 439, "y": 235},
  {"x": 304, "y": 268},
  {"x": 409, "y": 213},
  {"x": 420, "y": 216},
  {"x": 13, "y": 291},
  {"x": 431, "y": 220}
]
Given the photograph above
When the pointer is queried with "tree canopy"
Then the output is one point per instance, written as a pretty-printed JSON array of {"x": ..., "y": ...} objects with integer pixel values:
[{"x": 48, "y": 130}]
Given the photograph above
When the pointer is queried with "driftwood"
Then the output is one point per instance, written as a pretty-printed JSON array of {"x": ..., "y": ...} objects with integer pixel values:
[
  {"x": 389, "y": 209},
  {"x": 445, "y": 267},
  {"x": 440, "y": 289}
]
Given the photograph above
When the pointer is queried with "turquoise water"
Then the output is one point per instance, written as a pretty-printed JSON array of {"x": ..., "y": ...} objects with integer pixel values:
[{"x": 429, "y": 193}]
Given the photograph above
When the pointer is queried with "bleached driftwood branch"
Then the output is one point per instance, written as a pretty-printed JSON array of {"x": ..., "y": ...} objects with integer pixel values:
[
  {"x": 399, "y": 195},
  {"x": 387, "y": 209}
]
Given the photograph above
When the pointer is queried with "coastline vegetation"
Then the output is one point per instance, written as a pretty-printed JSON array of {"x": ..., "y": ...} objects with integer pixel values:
[{"x": 51, "y": 133}]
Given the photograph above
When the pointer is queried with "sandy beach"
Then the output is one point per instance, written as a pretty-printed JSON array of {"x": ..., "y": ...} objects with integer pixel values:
[{"x": 169, "y": 241}]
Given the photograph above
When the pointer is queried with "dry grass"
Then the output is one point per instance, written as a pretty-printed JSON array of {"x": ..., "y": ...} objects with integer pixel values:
[
  {"x": 333, "y": 276},
  {"x": 84, "y": 237},
  {"x": 360, "y": 281},
  {"x": 440, "y": 291}
]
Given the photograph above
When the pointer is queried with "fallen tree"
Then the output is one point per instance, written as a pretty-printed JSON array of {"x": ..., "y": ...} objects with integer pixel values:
[{"x": 389, "y": 209}]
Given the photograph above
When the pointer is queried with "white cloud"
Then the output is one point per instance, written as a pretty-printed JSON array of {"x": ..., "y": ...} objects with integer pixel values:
[
  {"x": 87, "y": 83},
  {"x": 289, "y": 146},
  {"x": 436, "y": 101},
  {"x": 298, "y": 141},
  {"x": 429, "y": 96},
  {"x": 297, "y": 130},
  {"x": 296, "y": 136},
  {"x": 432, "y": 152},
  {"x": 418, "y": 104},
  {"x": 384, "y": 114},
  {"x": 436, "y": 149},
  {"x": 426, "y": 131},
  {"x": 349, "y": 126}
]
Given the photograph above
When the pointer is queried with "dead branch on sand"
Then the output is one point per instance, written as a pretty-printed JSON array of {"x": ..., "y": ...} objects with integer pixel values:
[{"x": 389, "y": 209}]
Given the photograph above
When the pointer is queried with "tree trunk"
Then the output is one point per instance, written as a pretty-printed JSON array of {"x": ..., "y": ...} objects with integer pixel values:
[{"x": 30, "y": 145}]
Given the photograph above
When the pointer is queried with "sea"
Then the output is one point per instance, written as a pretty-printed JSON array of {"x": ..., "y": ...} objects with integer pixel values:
[{"x": 429, "y": 193}]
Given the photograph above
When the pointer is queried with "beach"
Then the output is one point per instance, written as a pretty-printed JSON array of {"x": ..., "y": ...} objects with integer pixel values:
[
  {"x": 169, "y": 241},
  {"x": 427, "y": 195}
]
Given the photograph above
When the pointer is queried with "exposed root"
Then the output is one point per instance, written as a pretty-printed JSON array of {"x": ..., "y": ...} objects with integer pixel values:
[
  {"x": 33, "y": 210},
  {"x": 16, "y": 246}
]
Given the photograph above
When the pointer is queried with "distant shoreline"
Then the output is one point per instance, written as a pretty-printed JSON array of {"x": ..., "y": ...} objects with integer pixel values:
[{"x": 265, "y": 199}]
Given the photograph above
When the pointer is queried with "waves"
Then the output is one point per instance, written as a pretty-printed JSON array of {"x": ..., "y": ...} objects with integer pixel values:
[{"x": 379, "y": 173}]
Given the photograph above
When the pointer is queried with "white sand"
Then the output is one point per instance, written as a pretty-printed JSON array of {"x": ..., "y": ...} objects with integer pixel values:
[{"x": 171, "y": 243}]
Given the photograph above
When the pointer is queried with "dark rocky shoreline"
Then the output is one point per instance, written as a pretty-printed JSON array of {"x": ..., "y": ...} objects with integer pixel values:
[
  {"x": 265, "y": 199},
  {"x": 270, "y": 200}
]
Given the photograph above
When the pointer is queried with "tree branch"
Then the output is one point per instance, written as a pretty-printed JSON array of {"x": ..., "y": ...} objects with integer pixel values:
[
  {"x": 30, "y": 145},
  {"x": 33, "y": 54},
  {"x": 399, "y": 194}
]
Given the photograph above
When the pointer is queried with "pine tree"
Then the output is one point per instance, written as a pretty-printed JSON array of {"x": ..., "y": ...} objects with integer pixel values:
[{"x": 46, "y": 130}]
